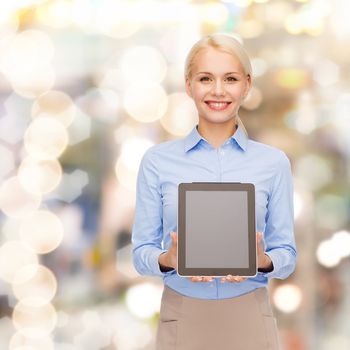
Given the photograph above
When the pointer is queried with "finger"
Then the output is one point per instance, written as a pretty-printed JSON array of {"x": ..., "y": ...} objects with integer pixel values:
[
  {"x": 230, "y": 278},
  {"x": 173, "y": 237},
  {"x": 197, "y": 279},
  {"x": 259, "y": 237}
]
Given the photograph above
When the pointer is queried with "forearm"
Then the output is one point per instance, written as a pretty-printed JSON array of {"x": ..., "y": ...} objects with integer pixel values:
[
  {"x": 146, "y": 260},
  {"x": 284, "y": 260}
]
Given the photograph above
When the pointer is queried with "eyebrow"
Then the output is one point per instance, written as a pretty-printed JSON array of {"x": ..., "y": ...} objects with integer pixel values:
[{"x": 212, "y": 74}]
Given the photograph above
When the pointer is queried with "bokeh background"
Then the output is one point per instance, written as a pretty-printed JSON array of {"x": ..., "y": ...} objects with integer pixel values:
[{"x": 86, "y": 86}]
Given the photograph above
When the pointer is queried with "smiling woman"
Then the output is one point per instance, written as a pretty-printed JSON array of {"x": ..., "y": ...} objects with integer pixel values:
[{"x": 218, "y": 77}]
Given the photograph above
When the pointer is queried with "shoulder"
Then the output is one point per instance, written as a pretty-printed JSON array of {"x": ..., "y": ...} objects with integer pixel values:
[
  {"x": 273, "y": 156},
  {"x": 166, "y": 147},
  {"x": 159, "y": 153}
]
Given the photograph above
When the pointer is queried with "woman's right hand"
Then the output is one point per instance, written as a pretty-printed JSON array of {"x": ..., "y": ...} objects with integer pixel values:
[{"x": 172, "y": 260}]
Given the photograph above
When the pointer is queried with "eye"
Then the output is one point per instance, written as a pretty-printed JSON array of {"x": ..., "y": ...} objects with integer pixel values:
[
  {"x": 204, "y": 79},
  {"x": 231, "y": 79}
]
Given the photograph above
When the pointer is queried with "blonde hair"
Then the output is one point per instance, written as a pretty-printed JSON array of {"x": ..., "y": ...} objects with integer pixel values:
[{"x": 223, "y": 42}]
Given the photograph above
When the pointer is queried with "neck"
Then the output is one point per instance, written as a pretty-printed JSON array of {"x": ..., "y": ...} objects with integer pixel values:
[{"x": 216, "y": 134}]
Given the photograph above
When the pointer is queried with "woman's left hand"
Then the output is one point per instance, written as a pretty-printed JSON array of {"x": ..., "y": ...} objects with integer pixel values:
[{"x": 264, "y": 262}]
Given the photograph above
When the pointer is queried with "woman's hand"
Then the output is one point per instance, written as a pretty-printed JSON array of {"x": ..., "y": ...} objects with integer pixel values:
[
  {"x": 169, "y": 258},
  {"x": 264, "y": 261}
]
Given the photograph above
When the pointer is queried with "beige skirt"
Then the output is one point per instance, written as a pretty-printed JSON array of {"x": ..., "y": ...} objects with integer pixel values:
[{"x": 241, "y": 323}]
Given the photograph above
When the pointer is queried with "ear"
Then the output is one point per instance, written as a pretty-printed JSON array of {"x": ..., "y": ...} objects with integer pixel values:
[
  {"x": 248, "y": 86},
  {"x": 188, "y": 87}
]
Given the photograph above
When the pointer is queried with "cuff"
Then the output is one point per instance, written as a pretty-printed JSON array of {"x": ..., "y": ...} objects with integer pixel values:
[
  {"x": 276, "y": 266},
  {"x": 155, "y": 264}
]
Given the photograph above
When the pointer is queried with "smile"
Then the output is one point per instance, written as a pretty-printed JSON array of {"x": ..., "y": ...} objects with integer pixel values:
[{"x": 217, "y": 106}]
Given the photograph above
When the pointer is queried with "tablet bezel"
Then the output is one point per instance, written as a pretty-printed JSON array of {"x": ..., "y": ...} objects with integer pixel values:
[{"x": 184, "y": 271}]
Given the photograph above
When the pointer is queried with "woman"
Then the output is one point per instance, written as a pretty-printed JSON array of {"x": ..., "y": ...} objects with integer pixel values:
[{"x": 204, "y": 312}]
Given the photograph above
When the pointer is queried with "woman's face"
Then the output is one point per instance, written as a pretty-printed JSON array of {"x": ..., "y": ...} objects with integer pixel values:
[{"x": 217, "y": 85}]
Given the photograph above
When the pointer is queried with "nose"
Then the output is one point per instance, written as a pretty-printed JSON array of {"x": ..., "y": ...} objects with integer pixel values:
[{"x": 218, "y": 88}]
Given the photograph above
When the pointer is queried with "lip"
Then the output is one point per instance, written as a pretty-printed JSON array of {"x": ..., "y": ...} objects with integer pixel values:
[
  {"x": 215, "y": 101},
  {"x": 224, "y": 105}
]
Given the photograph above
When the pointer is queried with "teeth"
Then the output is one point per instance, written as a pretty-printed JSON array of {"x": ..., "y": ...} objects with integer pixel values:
[{"x": 218, "y": 104}]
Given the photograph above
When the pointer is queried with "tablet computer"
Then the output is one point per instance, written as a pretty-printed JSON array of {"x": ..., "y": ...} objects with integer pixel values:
[{"x": 216, "y": 229}]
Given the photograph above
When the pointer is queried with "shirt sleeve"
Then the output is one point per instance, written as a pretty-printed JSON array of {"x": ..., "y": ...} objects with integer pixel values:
[
  {"x": 147, "y": 231},
  {"x": 279, "y": 229}
]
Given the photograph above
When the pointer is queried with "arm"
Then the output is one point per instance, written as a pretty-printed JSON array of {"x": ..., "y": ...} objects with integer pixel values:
[
  {"x": 147, "y": 231},
  {"x": 279, "y": 230}
]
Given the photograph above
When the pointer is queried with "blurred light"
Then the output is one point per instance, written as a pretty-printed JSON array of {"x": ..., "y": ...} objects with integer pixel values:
[
  {"x": 138, "y": 335},
  {"x": 111, "y": 78},
  {"x": 332, "y": 211},
  {"x": 14, "y": 256},
  {"x": 342, "y": 240},
  {"x": 339, "y": 20},
  {"x": 253, "y": 100},
  {"x": 333, "y": 340},
  {"x": 274, "y": 13},
  {"x": 314, "y": 171},
  {"x": 175, "y": 76},
  {"x": 298, "y": 205},
  {"x": 32, "y": 82},
  {"x": 101, "y": 104},
  {"x": 71, "y": 186},
  {"x": 326, "y": 72},
  {"x": 213, "y": 13},
  {"x": 287, "y": 298},
  {"x": 55, "y": 104},
  {"x": 7, "y": 162},
  {"x": 15, "y": 201},
  {"x": 10, "y": 229},
  {"x": 21, "y": 4},
  {"x": 240, "y": 3},
  {"x": 96, "y": 334},
  {"x": 143, "y": 300},
  {"x": 15, "y": 121},
  {"x": 27, "y": 47},
  {"x": 123, "y": 133},
  {"x": 63, "y": 319},
  {"x": 145, "y": 102},
  {"x": 80, "y": 129},
  {"x": 341, "y": 123},
  {"x": 56, "y": 14},
  {"x": 124, "y": 265},
  {"x": 291, "y": 78},
  {"x": 8, "y": 19},
  {"x": 35, "y": 287},
  {"x": 181, "y": 115},
  {"x": 20, "y": 340},
  {"x": 250, "y": 28},
  {"x": 309, "y": 19},
  {"x": 72, "y": 218},
  {"x": 128, "y": 163},
  {"x": 45, "y": 139},
  {"x": 111, "y": 19},
  {"x": 143, "y": 64},
  {"x": 26, "y": 63},
  {"x": 34, "y": 321},
  {"x": 327, "y": 254},
  {"x": 42, "y": 231},
  {"x": 259, "y": 67},
  {"x": 39, "y": 176},
  {"x": 305, "y": 118}
]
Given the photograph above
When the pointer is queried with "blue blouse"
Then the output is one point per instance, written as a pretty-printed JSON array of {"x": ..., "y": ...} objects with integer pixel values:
[{"x": 193, "y": 159}]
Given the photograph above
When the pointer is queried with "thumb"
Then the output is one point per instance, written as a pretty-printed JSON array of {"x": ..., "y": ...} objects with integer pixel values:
[
  {"x": 174, "y": 237},
  {"x": 259, "y": 237}
]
